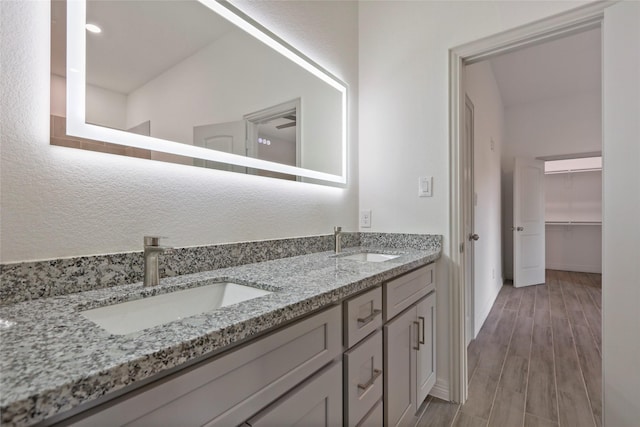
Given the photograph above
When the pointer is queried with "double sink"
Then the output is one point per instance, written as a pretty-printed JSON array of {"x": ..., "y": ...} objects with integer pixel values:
[{"x": 133, "y": 316}]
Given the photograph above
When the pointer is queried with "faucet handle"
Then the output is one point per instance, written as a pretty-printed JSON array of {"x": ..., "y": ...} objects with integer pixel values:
[
  {"x": 152, "y": 240},
  {"x": 337, "y": 229}
]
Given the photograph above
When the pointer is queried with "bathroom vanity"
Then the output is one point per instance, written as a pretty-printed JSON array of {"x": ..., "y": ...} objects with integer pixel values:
[
  {"x": 308, "y": 372},
  {"x": 335, "y": 340}
]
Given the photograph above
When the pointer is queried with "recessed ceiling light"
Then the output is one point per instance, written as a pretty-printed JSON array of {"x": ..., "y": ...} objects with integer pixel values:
[{"x": 93, "y": 28}]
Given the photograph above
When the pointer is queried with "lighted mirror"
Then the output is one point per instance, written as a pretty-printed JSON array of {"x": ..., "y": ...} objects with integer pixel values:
[{"x": 193, "y": 82}]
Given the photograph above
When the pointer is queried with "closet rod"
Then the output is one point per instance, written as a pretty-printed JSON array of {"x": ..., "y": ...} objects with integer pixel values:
[
  {"x": 573, "y": 222},
  {"x": 573, "y": 170}
]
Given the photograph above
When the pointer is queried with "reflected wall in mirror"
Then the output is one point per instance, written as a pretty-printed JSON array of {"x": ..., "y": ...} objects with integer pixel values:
[{"x": 193, "y": 82}]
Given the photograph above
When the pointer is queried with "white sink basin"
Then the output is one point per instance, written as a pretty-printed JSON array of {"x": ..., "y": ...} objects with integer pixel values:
[
  {"x": 133, "y": 316},
  {"x": 371, "y": 257}
]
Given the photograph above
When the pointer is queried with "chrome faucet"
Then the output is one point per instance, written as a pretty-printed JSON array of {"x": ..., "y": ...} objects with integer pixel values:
[
  {"x": 152, "y": 249},
  {"x": 337, "y": 234}
]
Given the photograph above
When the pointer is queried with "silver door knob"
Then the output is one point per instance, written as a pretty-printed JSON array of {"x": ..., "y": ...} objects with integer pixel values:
[{"x": 473, "y": 236}]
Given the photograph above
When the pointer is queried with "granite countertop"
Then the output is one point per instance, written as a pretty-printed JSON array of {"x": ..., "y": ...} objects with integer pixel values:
[{"x": 53, "y": 359}]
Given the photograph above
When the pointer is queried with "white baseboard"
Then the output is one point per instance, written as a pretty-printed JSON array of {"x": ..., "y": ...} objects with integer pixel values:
[
  {"x": 486, "y": 308},
  {"x": 575, "y": 267},
  {"x": 441, "y": 390}
]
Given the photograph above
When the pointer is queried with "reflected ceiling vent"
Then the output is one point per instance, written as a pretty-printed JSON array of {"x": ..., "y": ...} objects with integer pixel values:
[{"x": 287, "y": 125}]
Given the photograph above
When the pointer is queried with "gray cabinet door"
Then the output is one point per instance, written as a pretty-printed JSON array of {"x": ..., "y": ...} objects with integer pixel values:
[
  {"x": 317, "y": 402},
  {"x": 400, "y": 338},
  {"x": 426, "y": 355},
  {"x": 373, "y": 418},
  {"x": 230, "y": 388}
]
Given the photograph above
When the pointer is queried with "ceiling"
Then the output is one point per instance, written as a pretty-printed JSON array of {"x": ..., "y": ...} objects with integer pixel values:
[
  {"x": 562, "y": 67},
  {"x": 139, "y": 40}
]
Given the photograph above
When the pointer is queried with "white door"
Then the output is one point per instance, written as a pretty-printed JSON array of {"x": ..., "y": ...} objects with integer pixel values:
[
  {"x": 469, "y": 201},
  {"x": 229, "y": 137},
  {"x": 528, "y": 222}
]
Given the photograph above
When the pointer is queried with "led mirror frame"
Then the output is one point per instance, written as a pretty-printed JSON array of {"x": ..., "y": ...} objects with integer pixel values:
[{"x": 76, "y": 97}]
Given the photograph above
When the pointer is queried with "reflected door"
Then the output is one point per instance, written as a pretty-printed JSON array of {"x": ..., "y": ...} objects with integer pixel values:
[
  {"x": 229, "y": 137},
  {"x": 528, "y": 222}
]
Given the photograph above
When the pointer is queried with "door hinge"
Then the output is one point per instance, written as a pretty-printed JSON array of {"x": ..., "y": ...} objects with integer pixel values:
[{"x": 461, "y": 247}]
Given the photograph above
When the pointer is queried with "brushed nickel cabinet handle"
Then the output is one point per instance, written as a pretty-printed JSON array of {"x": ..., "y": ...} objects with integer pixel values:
[
  {"x": 417, "y": 346},
  {"x": 374, "y": 376},
  {"x": 422, "y": 320},
  {"x": 362, "y": 321}
]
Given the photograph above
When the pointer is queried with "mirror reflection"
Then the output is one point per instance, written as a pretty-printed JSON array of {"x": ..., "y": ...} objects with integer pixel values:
[{"x": 178, "y": 71}]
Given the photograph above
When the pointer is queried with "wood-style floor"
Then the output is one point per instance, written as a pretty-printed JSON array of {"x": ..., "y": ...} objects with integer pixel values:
[{"x": 536, "y": 361}]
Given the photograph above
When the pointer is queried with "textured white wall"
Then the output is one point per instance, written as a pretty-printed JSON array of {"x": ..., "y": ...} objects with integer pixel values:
[
  {"x": 557, "y": 126},
  {"x": 483, "y": 91},
  {"x": 404, "y": 105},
  {"x": 58, "y": 202},
  {"x": 621, "y": 269}
]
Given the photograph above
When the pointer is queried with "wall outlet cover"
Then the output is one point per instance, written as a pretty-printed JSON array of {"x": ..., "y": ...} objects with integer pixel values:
[{"x": 365, "y": 218}]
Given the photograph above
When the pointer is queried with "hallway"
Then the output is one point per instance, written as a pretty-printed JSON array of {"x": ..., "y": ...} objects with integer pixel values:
[{"x": 536, "y": 360}]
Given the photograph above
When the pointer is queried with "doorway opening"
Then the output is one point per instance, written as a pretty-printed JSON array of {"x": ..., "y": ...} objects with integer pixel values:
[
  {"x": 523, "y": 113},
  {"x": 463, "y": 290},
  {"x": 274, "y": 134}
]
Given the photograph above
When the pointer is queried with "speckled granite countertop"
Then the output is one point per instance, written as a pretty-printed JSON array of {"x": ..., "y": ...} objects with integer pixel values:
[{"x": 52, "y": 359}]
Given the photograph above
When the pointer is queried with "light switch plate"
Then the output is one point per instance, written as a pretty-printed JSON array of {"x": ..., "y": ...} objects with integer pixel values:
[
  {"x": 365, "y": 218},
  {"x": 425, "y": 186}
]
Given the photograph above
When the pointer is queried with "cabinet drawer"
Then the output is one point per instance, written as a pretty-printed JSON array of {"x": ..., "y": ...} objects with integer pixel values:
[
  {"x": 316, "y": 402},
  {"x": 373, "y": 418},
  {"x": 362, "y": 315},
  {"x": 400, "y": 293},
  {"x": 230, "y": 388},
  {"x": 362, "y": 378}
]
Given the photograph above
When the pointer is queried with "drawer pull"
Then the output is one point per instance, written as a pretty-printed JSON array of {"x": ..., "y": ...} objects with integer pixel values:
[
  {"x": 366, "y": 320},
  {"x": 374, "y": 376},
  {"x": 417, "y": 346},
  {"x": 422, "y": 320}
]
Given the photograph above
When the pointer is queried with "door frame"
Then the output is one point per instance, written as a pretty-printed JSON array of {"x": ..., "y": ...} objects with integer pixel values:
[{"x": 554, "y": 27}]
